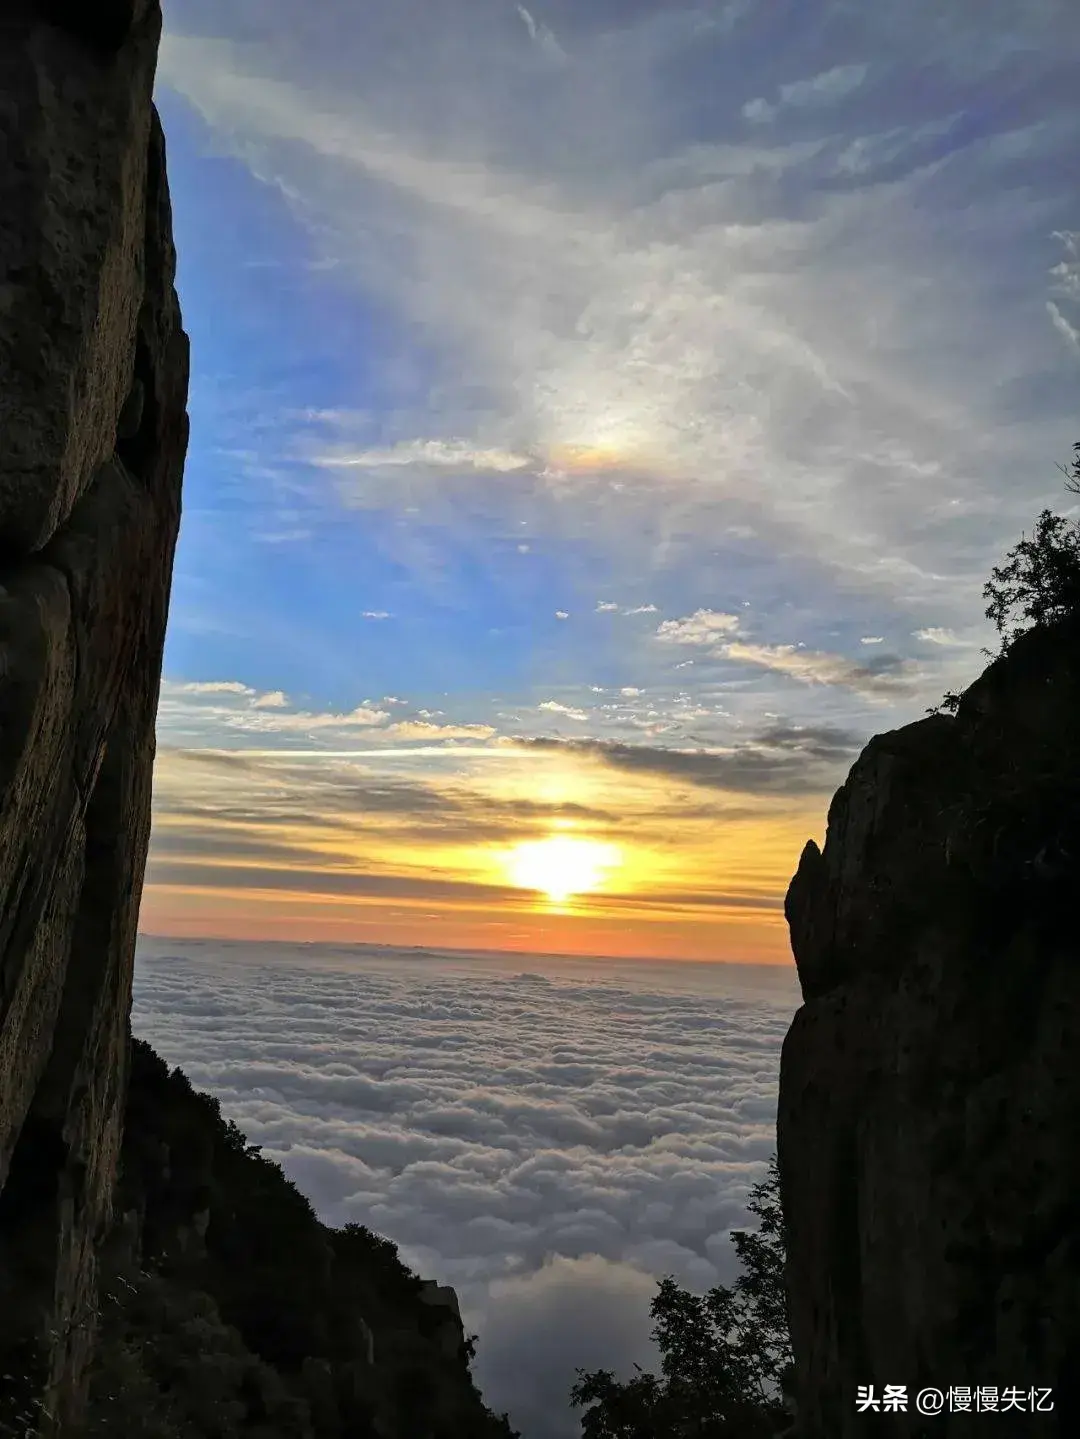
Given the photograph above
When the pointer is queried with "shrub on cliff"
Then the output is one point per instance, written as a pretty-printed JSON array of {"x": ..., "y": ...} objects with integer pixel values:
[
  {"x": 1040, "y": 581},
  {"x": 725, "y": 1355}
]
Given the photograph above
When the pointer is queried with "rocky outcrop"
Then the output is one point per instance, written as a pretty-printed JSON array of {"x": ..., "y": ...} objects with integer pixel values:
[
  {"x": 449, "y": 1333},
  {"x": 929, "y": 1092},
  {"x": 93, "y": 383}
]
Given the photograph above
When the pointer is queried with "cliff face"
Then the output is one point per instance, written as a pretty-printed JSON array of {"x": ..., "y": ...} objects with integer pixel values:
[
  {"x": 929, "y": 1090},
  {"x": 93, "y": 382}
]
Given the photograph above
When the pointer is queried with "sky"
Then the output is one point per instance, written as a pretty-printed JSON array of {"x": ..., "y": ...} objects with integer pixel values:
[
  {"x": 551, "y": 1136},
  {"x": 604, "y": 418}
]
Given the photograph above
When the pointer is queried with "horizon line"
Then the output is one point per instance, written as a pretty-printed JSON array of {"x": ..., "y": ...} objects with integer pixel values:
[{"x": 466, "y": 953}]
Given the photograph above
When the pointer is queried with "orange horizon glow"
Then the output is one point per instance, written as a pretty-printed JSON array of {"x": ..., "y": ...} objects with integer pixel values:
[
  {"x": 628, "y": 871},
  {"x": 747, "y": 937}
]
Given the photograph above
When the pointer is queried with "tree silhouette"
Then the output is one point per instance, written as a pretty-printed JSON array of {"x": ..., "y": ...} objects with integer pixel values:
[
  {"x": 725, "y": 1354},
  {"x": 1039, "y": 583}
]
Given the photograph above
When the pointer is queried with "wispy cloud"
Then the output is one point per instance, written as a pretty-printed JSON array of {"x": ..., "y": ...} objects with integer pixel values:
[
  {"x": 385, "y": 813},
  {"x": 1068, "y": 331},
  {"x": 935, "y": 635},
  {"x": 890, "y": 676},
  {"x": 721, "y": 635},
  {"x": 822, "y": 89},
  {"x": 432, "y": 456},
  {"x": 780, "y": 759},
  {"x": 541, "y": 35},
  {"x": 230, "y": 705},
  {"x": 702, "y": 316},
  {"x": 198, "y": 688}
]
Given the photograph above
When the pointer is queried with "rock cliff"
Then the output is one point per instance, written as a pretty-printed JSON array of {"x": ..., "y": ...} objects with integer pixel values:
[
  {"x": 93, "y": 384},
  {"x": 929, "y": 1092}
]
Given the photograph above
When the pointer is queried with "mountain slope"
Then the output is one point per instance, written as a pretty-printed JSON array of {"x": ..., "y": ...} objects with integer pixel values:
[{"x": 228, "y": 1309}]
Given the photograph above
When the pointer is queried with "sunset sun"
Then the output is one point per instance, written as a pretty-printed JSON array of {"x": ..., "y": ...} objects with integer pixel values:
[{"x": 561, "y": 866}]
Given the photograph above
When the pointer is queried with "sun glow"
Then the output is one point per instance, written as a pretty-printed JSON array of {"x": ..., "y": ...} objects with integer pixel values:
[{"x": 560, "y": 866}]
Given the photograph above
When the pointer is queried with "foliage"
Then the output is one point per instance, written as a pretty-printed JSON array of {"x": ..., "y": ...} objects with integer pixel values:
[
  {"x": 725, "y": 1355},
  {"x": 1039, "y": 583},
  {"x": 228, "y": 1311}
]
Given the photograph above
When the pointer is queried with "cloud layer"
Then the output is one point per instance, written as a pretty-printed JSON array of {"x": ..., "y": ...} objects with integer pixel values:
[{"x": 550, "y": 1140}]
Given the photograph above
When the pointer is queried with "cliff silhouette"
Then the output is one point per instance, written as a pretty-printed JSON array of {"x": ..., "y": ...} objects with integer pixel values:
[
  {"x": 93, "y": 431},
  {"x": 929, "y": 1093},
  {"x": 225, "y": 1308}
]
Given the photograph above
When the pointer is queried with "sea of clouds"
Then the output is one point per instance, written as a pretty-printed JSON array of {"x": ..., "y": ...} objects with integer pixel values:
[{"x": 549, "y": 1135}]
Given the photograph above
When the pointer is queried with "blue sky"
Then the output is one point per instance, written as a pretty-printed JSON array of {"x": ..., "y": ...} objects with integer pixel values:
[{"x": 637, "y": 375}]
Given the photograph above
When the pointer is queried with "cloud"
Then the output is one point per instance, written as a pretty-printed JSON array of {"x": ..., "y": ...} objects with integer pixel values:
[
  {"x": 588, "y": 1312},
  {"x": 551, "y": 1143},
  {"x": 425, "y": 730},
  {"x": 227, "y": 705},
  {"x": 889, "y": 676},
  {"x": 716, "y": 631},
  {"x": 609, "y": 607},
  {"x": 407, "y": 831},
  {"x": 872, "y": 640},
  {"x": 431, "y": 457},
  {"x": 1066, "y": 273},
  {"x": 541, "y": 36},
  {"x": 781, "y": 759},
  {"x": 821, "y": 89},
  {"x": 363, "y": 717},
  {"x": 703, "y": 627},
  {"x": 375, "y": 615},
  {"x": 197, "y": 688},
  {"x": 322, "y": 874},
  {"x": 215, "y": 798},
  {"x": 556, "y": 707},
  {"x": 1068, "y": 331},
  {"x": 561, "y": 615},
  {"x": 947, "y": 638}
]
